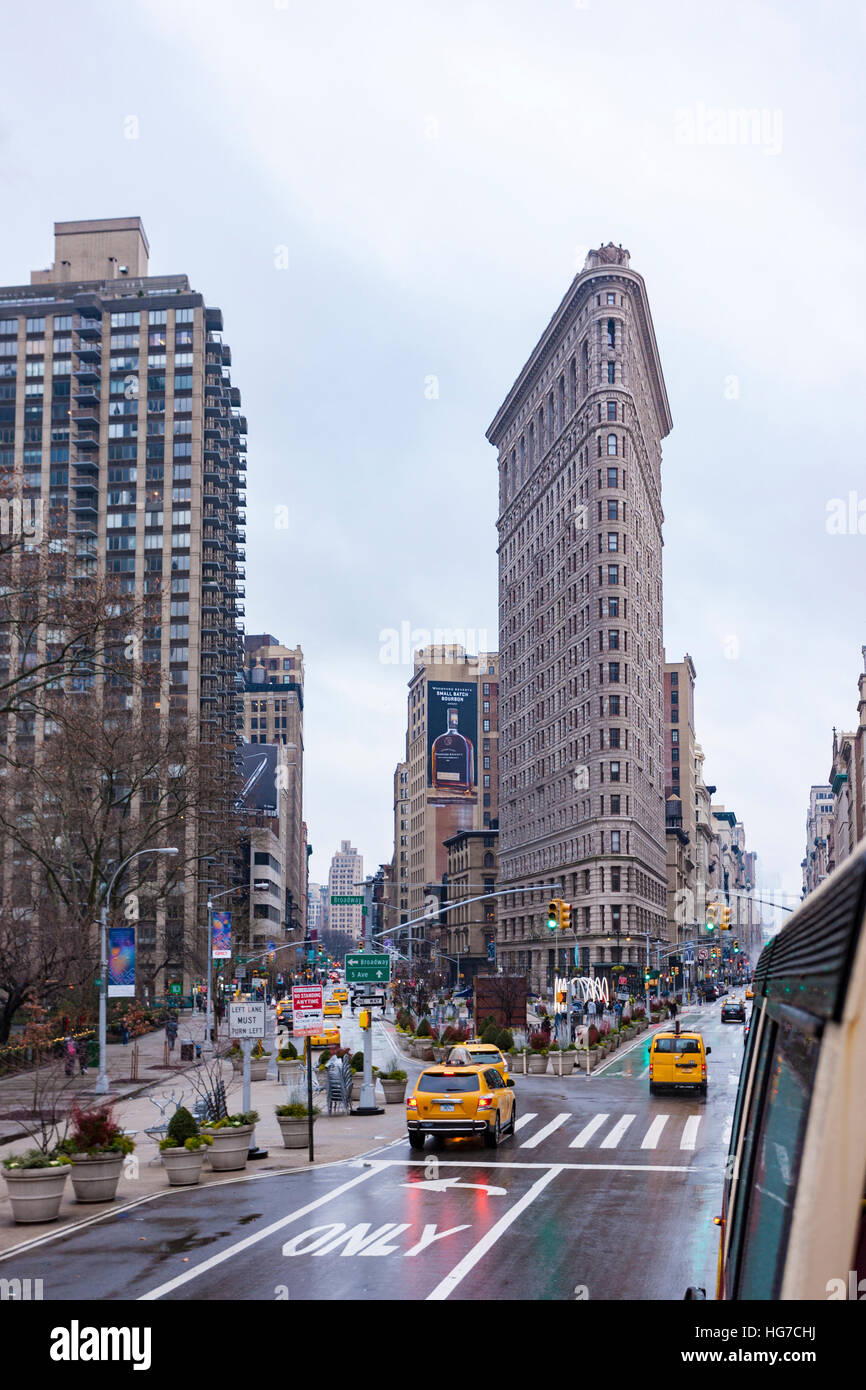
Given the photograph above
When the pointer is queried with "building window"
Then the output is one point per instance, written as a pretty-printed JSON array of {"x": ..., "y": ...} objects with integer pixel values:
[
  {"x": 613, "y": 608},
  {"x": 614, "y": 805},
  {"x": 486, "y": 726},
  {"x": 611, "y": 445},
  {"x": 613, "y": 639},
  {"x": 611, "y": 298},
  {"x": 611, "y": 477},
  {"x": 615, "y": 875},
  {"x": 611, "y": 333},
  {"x": 614, "y": 772},
  {"x": 611, "y": 373},
  {"x": 612, "y": 510},
  {"x": 613, "y": 738},
  {"x": 611, "y": 410},
  {"x": 613, "y": 574},
  {"x": 613, "y": 540},
  {"x": 613, "y": 705},
  {"x": 614, "y": 841}
]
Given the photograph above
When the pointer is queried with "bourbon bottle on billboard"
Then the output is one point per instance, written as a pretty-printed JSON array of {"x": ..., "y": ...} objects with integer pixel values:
[{"x": 453, "y": 760}]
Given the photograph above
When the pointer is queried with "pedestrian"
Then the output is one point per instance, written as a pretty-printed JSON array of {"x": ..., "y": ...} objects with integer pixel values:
[
  {"x": 69, "y": 1052},
  {"x": 81, "y": 1052},
  {"x": 124, "y": 1032},
  {"x": 673, "y": 1008},
  {"x": 171, "y": 1033}
]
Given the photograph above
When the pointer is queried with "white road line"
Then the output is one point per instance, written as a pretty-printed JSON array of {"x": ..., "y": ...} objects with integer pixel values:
[
  {"x": 524, "y": 1120},
  {"x": 582, "y": 1139},
  {"x": 470, "y": 1260},
  {"x": 726, "y": 1131},
  {"x": 690, "y": 1132},
  {"x": 254, "y": 1239},
  {"x": 653, "y": 1134},
  {"x": 617, "y": 1132},
  {"x": 542, "y": 1134}
]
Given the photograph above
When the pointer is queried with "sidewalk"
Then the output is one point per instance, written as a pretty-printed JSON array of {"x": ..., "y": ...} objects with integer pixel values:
[{"x": 335, "y": 1137}]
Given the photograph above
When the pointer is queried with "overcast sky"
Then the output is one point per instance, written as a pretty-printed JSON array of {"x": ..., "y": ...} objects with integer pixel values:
[{"x": 381, "y": 193}]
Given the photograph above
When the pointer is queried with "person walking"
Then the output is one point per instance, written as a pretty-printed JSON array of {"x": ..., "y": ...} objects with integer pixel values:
[
  {"x": 81, "y": 1053},
  {"x": 69, "y": 1053},
  {"x": 673, "y": 1008},
  {"x": 171, "y": 1033},
  {"x": 124, "y": 1032}
]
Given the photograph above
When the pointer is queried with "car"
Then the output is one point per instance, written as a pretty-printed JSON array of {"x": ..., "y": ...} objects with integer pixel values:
[
  {"x": 475, "y": 1053},
  {"x": 678, "y": 1059},
  {"x": 711, "y": 994},
  {"x": 733, "y": 1011},
  {"x": 750, "y": 993},
  {"x": 341, "y": 995},
  {"x": 455, "y": 1102},
  {"x": 333, "y": 1009},
  {"x": 329, "y": 1038}
]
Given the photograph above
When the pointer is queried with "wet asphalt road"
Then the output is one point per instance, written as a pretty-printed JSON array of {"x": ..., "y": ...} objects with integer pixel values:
[{"x": 602, "y": 1193}]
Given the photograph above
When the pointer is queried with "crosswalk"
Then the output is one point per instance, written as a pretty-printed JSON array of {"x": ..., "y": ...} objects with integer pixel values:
[{"x": 606, "y": 1131}]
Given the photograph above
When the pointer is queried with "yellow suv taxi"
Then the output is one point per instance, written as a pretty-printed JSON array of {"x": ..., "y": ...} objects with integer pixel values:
[
  {"x": 678, "y": 1059},
  {"x": 341, "y": 996},
  {"x": 333, "y": 1009},
  {"x": 329, "y": 1038},
  {"x": 475, "y": 1053},
  {"x": 449, "y": 1102}
]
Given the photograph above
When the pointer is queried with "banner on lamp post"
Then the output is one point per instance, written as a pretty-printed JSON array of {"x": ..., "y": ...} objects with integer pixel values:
[
  {"x": 121, "y": 962},
  {"x": 222, "y": 936}
]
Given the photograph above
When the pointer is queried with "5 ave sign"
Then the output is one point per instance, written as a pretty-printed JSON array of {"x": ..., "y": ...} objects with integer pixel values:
[{"x": 368, "y": 969}]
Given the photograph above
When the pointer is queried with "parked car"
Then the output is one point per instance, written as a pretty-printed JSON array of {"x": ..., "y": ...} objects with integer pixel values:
[{"x": 733, "y": 1011}]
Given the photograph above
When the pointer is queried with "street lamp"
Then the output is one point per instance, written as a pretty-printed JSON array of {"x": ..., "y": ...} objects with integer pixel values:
[
  {"x": 102, "y": 1079},
  {"x": 208, "y": 1047}
]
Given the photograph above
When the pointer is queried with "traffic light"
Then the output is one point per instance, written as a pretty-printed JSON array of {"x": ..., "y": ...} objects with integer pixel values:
[
  {"x": 565, "y": 916},
  {"x": 554, "y": 907},
  {"x": 726, "y": 919},
  {"x": 560, "y": 996},
  {"x": 711, "y": 917},
  {"x": 364, "y": 1018},
  {"x": 736, "y": 948}
]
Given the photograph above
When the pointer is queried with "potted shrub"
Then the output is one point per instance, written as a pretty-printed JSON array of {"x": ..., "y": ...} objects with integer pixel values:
[
  {"x": 537, "y": 1060},
  {"x": 259, "y": 1062},
  {"x": 96, "y": 1149},
  {"x": 423, "y": 1046},
  {"x": 235, "y": 1055},
  {"x": 288, "y": 1062},
  {"x": 34, "y": 1185},
  {"x": 183, "y": 1149},
  {"x": 394, "y": 1085},
  {"x": 294, "y": 1123},
  {"x": 357, "y": 1065},
  {"x": 230, "y": 1141}
]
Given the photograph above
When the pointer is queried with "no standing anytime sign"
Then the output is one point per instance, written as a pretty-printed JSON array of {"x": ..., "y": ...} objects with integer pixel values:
[{"x": 307, "y": 1010}]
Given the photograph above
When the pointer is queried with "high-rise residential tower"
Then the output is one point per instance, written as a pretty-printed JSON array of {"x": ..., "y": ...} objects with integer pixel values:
[
  {"x": 346, "y": 879},
  {"x": 582, "y": 762},
  {"x": 120, "y": 415}
]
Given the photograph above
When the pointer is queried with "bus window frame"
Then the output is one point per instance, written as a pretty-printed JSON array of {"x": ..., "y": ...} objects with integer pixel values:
[{"x": 737, "y": 1204}]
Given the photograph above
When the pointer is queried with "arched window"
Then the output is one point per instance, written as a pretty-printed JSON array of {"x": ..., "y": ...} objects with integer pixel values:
[
  {"x": 611, "y": 333},
  {"x": 488, "y": 860},
  {"x": 611, "y": 445}
]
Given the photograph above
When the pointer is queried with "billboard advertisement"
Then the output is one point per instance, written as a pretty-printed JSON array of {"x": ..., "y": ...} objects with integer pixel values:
[
  {"x": 121, "y": 962},
  {"x": 222, "y": 936},
  {"x": 452, "y": 764}
]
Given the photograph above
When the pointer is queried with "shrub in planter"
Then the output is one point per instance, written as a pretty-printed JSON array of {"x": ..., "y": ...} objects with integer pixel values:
[
  {"x": 423, "y": 1029},
  {"x": 183, "y": 1160},
  {"x": 592, "y": 1036},
  {"x": 231, "y": 1141},
  {"x": 447, "y": 1035},
  {"x": 181, "y": 1126},
  {"x": 96, "y": 1149},
  {"x": 505, "y": 1040},
  {"x": 357, "y": 1061},
  {"x": 538, "y": 1042},
  {"x": 490, "y": 1036},
  {"x": 394, "y": 1085},
  {"x": 294, "y": 1123}
]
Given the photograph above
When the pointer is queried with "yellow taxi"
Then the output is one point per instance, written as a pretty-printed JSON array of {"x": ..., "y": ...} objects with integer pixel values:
[
  {"x": 333, "y": 1009},
  {"x": 750, "y": 993},
  {"x": 475, "y": 1053},
  {"x": 341, "y": 995},
  {"x": 678, "y": 1059},
  {"x": 454, "y": 1102},
  {"x": 329, "y": 1038}
]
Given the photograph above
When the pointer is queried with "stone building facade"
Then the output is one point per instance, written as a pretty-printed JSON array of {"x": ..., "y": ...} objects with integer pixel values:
[{"x": 581, "y": 659}]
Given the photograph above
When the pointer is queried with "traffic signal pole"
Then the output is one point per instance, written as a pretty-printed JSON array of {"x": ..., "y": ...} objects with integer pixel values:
[{"x": 367, "y": 1104}]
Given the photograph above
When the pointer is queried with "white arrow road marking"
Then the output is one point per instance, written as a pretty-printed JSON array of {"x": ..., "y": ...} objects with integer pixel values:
[
  {"x": 524, "y": 1120},
  {"x": 588, "y": 1131},
  {"x": 653, "y": 1134},
  {"x": 245, "y": 1244},
  {"x": 690, "y": 1132},
  {"x": 617, "y": 1132},
  {"x": 443, "y": 1184},
  {"x": 489, "y": 1239},
  {"x": 547, "y": 1129},
  {"x": 726, "y": 1132},
  {"x": 733, "y": 1078}
]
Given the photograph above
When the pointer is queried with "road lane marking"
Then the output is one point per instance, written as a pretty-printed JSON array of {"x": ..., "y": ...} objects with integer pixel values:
[
  {"x": 524, "y": 1120},
  {"x": 250, "y": 1240},
  {"x": 617, "y": 1132},
  {"x": 446, "y": 1184},
  {"x": 588, "y": 1131},
  {"x": 542, "y": 1134},
  {"x": 690, "y": 1132},
  {"x": 727, "y": 1129},
  {"x": 653, "y": 1134},
  {"x": 489, "y": 1239}
]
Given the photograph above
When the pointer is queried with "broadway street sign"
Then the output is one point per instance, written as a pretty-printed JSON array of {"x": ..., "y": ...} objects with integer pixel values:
[{"x": 367, "y": 969}]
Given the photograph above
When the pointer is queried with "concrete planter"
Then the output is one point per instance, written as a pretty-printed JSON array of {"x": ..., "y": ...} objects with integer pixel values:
[
  {"x": 183, "y": 1166},
  {"x": 259, "y": 1068},
  {"x": 229, "y": 1149},
  {"x": 562, "y": 1063},
  {"x": 295, "y": 1131},
  {"x": 289, "y": 1071},
  {"x": 440, "y": 1053},
  {"x": 95, "y": 1179},
  {"x": 536, "y": 1064},
  {"x": 395, "y": 1091},
  {"x": 357, "y": 1083},
  {"x": 35, "y": 1194},
  {"x": 423, "y": 1051}
]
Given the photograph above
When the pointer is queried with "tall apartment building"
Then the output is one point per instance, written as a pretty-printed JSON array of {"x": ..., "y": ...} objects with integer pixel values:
[
  {"x": 266, "y": 808},
  {"x": 345, "y": 879},
  {"x": 819, "y": 819},
  {"x": 119, "y": 413},
  {"x": 451, "y": 767},
  {"x": 398, "y": 900},
  {"x": 315, "y": 911},
  {"x": 580, "y": 593},
  {"x": 271, "y": 711}
]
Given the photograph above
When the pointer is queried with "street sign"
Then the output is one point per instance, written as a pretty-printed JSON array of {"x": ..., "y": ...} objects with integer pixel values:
[
  {"x": 347, "y": 900},
  {"x": 376, "y": 1000},
  {"x": 367, "y": 969},
  {"x": 246, "y": 1020},
  {"x": 307, "y": 1010},
  {"x": 702, "y": 955}
]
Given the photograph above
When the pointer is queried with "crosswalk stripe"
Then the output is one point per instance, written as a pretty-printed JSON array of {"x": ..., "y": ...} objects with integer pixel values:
[
  {"x": 653, "y": 1134},
  {"x": 523, "y": 1120},
  {"x": 690, "y": 1132},
  {"x": 546, "y": 1130},
  {"x": 582, "y": 1139},
  {"x": 617, "y": 1132}
]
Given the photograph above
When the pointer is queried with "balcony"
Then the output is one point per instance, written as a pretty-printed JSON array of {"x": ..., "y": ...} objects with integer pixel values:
[
  {"x": 88, "y": 465},
  {"x": 86, "y": 418},
  {"x": 90, "y": 329},
  {"x": 90, "y": 352},
  {"x": 88, "y": 442},
  {"x": 87, "y": 371},
  {"x": 86, "y": 504},
  {"x": 86, "y": 395}
]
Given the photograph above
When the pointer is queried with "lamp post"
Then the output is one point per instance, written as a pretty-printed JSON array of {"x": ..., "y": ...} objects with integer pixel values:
[
  {"x": 207, "y": 1046},
  {"x": 101, "y": 1087}
]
